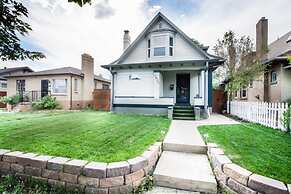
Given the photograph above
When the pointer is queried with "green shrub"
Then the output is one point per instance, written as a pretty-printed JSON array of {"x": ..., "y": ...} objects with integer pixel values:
[
  {"x": 11, "y": 100},
  {"x": 45, "y": 103}
]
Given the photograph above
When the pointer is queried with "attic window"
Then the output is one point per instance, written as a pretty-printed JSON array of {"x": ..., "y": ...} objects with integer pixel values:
[
  {"x": 159, "y": 44},
  {"x": 160, "y": 25}
]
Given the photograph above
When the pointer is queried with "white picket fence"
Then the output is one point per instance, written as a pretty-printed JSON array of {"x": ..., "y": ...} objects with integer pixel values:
[{"x": 267, "y": 114}]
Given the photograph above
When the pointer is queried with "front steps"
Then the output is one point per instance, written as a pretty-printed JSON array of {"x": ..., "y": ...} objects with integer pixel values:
[
  {"x": 185, "y": 171},
  {"x": 184, "y": 164},
  {"x": 183, "y": 112}
]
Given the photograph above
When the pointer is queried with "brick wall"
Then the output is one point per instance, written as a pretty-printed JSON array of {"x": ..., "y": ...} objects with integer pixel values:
[{"x": 81, "y": 175}]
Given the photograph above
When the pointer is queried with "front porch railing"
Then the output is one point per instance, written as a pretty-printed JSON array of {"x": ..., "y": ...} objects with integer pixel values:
[{"x": 32, "y": 96}]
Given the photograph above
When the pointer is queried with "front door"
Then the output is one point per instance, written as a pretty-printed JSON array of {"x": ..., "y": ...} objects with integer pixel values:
[
  {"x": 44, "y": 87},
  {"x": 183, "y": 88}
]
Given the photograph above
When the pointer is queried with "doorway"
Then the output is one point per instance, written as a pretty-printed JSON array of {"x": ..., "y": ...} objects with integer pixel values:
[
  {"x": 44, "y": 87},
  {"x": 183, "y": 89}
]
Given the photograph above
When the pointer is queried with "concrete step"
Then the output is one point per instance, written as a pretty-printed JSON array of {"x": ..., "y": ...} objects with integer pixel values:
[
  {"x": 183, "y": 136},
  {"x": 184, "y": 110},
  {"x": 165, "y": 190},
  {"x": 185, "y": 171},
  {"x": 184, "y": 118},
  {"x": 183, "y": 114}
]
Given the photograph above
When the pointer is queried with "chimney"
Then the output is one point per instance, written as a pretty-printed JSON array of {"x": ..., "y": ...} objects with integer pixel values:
[
  {"x": 262, "y": 37},
  {"x": 88, "y": 81},
  {"x": 126, "y": 39}
]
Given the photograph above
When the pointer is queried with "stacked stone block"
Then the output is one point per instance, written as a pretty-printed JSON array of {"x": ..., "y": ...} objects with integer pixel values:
[
  {"x": 81, "y": 175},
  {"x": 234, "y": 179}
]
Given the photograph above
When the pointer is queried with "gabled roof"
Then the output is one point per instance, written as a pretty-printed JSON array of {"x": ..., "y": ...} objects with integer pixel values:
[
  {"x": 144, "y": 32},
  {"x": 6, "y": 71},
  {"x": 60, "y": 71},
  {"x": 279, "y": 48}
]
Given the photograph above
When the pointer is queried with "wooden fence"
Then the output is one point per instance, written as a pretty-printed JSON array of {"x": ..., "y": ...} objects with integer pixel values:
[
  {"x": 267, "y": 114},
  {"x": 101, "y": 99}
]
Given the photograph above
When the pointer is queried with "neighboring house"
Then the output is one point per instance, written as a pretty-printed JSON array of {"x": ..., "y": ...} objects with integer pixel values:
[
  {"x": 10, "y": 71},
  {"x": 274, "y": 85},
  {"x": 72, "y": 87},
  {"x": 162, "y": 68},
  {"x": 3, "y": 80}
]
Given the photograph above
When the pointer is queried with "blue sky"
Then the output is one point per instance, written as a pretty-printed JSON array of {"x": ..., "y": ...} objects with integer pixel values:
[
  {"x": 177, "y": 7},
  {"x": 63, "y": 31}
]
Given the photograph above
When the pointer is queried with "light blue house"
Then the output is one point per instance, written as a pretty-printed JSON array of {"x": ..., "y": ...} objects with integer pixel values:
[{"x": 162, "y": 68}]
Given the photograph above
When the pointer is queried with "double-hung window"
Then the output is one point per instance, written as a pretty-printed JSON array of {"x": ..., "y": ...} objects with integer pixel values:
[
  {"x": 171, "y": 45},
  {"x": 60, "y": 86},
  {"x": 149, "y": 48},
  {"x": 76, "y": 85},
  {"x": 3, "y": 84},
  {"x": 273, "y": 77},
  {"x": 159, "y": 45}
]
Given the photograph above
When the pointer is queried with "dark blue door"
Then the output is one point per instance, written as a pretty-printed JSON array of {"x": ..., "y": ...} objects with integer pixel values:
[{"x": 183, "y": 88}]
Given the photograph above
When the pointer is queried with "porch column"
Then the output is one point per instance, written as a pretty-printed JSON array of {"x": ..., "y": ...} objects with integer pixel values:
[
  {"x": 158, "y": 84},
  {"x": 206, "y": 87}
]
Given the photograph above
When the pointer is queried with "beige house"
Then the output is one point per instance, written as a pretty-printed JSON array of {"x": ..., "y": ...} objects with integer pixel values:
[
  {"x": 275, "y": 84},
  {"x": 72, "y": 87}
]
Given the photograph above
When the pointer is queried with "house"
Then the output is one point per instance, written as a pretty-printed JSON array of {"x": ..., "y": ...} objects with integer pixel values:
[
  {"x": 3, "y": 80},
  {"x": 162, "y": 68},
  {"x": 72, "y": 87},
  {"x": 274, "y": 85}
]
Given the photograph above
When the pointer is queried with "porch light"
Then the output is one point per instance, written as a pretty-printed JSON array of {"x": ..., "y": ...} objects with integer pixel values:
[{"x": 171, "y": 86}]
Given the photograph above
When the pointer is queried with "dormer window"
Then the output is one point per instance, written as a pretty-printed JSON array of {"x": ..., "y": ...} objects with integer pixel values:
[{"x": 161, "y": 45}]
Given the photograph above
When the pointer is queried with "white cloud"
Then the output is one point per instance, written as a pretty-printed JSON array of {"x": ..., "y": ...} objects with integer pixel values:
[
  {"x": 103, "y": 10},
  {"x": 66, "y": 31}
]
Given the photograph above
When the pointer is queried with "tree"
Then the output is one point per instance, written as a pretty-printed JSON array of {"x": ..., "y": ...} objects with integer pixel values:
[
  {"x": 241, "y": 65},
  {"x": 80, "y": 2},
  {"x": 198, "y": 43},
  {"x": 11, "y": 27},
  {"x": 289, "y": 59}
]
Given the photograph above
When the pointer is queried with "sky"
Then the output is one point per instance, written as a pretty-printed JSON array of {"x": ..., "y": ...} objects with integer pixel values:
[{"x": 63, "y": 31}]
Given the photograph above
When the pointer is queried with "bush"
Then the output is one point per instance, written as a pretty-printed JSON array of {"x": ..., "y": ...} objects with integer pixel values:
[
  {"x": 11, "y": 100},
  {"x": 45, "y": 103}
]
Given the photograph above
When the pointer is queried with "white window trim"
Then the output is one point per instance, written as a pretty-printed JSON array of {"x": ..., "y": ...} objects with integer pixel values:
[
  {"x": 241, "y": 92},
  {"x": 276, "y": 81},
  {"x": 59, "y": 93},
  {"x": 76, "y": 85},
  {"x": 3, "y": 82}
]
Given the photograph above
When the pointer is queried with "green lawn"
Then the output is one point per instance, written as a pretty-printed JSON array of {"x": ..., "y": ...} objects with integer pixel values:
[
  {"x": 94, "y": 136},
  {"x": 259, "y": 149}
]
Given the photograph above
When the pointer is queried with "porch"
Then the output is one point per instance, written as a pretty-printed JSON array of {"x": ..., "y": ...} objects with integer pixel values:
[{"x": 165, "y": 88}]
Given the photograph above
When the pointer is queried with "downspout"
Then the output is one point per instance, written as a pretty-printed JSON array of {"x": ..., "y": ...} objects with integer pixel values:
[{"x": 71, "y": 95}]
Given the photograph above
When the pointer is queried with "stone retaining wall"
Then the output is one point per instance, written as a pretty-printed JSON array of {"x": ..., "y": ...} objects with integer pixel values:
[
  {"x": 235, "y": 179},
  {"x": 81, "y": 175}
]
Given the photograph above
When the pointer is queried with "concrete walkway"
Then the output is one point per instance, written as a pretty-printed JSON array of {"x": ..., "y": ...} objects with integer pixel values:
[{"x": 183, "y": 165}]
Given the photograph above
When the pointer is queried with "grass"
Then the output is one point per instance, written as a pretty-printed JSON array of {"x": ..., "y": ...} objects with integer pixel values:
[
  {"x": 88, "y": 135},
  {"x": 259, "y": 149},
  {"x": 13, "y": 185}
]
